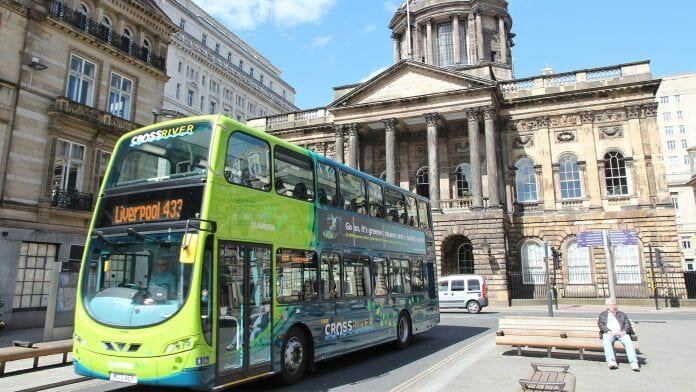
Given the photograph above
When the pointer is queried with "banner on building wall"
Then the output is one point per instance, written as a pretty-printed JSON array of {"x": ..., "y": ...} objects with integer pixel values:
[{"x": 589, "y": 239}]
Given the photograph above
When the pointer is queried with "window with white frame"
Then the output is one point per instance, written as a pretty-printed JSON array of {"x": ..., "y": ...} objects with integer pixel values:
[
  {"x": 33, "y": 275},
  {"x": 615, "y": 176},
  {"x": 422, "y": 182},
  {"x": 569, "y": 176},
  {"x": 686, "y": 243},
  {"x": 677, "y": 98},
  {"x": 680, "y": 115},
  {"x": 667, "y": 116},
  {"x": 81, "y": 80},
  {"x": 217, "y": 48},
  {"x": 120, "y": 92},
  {"x": 189, "y": 98},
  {"x": 463, "y": 176},
  {"x": 669, "y": 130},
  {"x": 673, "y": 163},
  {"x": 68, "y": 166},
  {"x": 102, "y": 160},
  {"x": 682, "y": 129},
  {"x": 212, "y": 107},
  {"x": 526, "y": 181},
  {"x": 684, "y": 144},
  {"x": 627, "y": 264},
  {"x": 178, "y": 91},
  {"x": 687, "y": 161},
  {"x": 229, "y": 57},
  {"x": 532, "y": 255},
  {"x": 445, "y": 46},
  {"x": 578, "y": 259},
  {"x": 671, "y": 145},
  {"x": 664, "y": 99}
]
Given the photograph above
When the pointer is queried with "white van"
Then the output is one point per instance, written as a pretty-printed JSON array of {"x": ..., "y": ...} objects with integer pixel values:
[{"x": 463, "y": 291}]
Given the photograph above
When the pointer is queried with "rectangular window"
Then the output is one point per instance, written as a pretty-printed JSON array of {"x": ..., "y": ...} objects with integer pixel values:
[
  {"x": 400, "y": 274},
  {"x": 180, "y": 67},
  {"x": 261, "y": 79},
  {"x": 411, "y": 211},
  {"x": 241, "y": 64},
  {"x": 381, "y": 276},
  {"x": 684, "y": 144},
  {"x": 667, "y": 116},
  {"x": 352, "y": 188},
  {"x": 675, "y": 200},
  {"x": 182, "y": 24},
  {"x": 217, "y": 48},
  {"x": 178, "y": 91},
  {"x": 81, "y": 80},
  {"x": 102, "y": 161},
  {"x": 294, "y": 175},
  {"x": 687, "y": 161},
  {"x": 417, "y": 276},
  {"x": 202, "y": 102},
  {"x": 680, "y": 115},
  {"x": 326, "y": 181},
  {"x": 462, "y": 43},
  {"x": 671, "y": 145},
  {"x": 296, "y": 275},
  {"x": 673, "y": 163},
  {"x": 229, "y": 57},
  {"x": 669, "y": 130},
  {"x": 357, "y": 279},
  {"x": 251, "y": 72},
  {"x": 375, "y": 199},
  {"x": 627, "y": 264},
  {"x": 120, "y": 91},
  {"x": 204, "y": 39},
  {"x": 682, "y": 129},
  {"x": 212, "y": 107},
  {"x": 248, "y": 162},
  {"x": 394, "y": 205},
  {"x": 34, "y": 275},
  {"x": 677, "y": 98},
  {"x": 423, "y": 215},
  {"x": 330, "y": 276},
  {"x": 68, "y": 166},
  {"x": 203, "y": 81},
  {"x": 664, "y": 99},
  {"x": 189, "y": 98},
  {"x": 445, "y": 47},
  {"x": 686, "y": 243}
]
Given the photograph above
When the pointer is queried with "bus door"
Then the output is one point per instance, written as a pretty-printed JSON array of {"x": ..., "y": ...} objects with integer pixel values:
[{"x": 244, "y": 314}]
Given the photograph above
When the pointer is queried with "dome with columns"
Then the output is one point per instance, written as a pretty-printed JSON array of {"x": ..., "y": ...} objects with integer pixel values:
[{"x": 455, "y": 34}]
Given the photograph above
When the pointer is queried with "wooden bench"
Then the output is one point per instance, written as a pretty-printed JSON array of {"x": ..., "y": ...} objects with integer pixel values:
[
  {"x": 548, "y": 377},
  {"x": 554, "y": 333},
  {"x": 35, "y": 350}
]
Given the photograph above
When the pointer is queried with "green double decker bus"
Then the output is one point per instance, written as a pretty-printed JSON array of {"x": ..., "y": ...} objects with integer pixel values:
[{"x": 219, "y": 254}]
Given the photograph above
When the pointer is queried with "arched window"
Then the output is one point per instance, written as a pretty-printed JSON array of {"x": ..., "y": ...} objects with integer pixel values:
[
  {"x": 422, "y": 183},
  {"x": 105, "y": 29},
  {"x": 578, "y": 259},
  {"x": 465, "y": 258},
  {"x": 106, "y": 22},
  {"x": 127, "y": 33},
  {"x": 463, "y": 175},
  {"x": 147, "y": 50},
  {"x": 526, "y": 181},
  {"x": 569, "y": 174},
  {"x": 615, "y": 174},
  {"x": 82, "y": 12},
  {"x": 627, "y": 264},
  {"x": 532, "y": 255}
]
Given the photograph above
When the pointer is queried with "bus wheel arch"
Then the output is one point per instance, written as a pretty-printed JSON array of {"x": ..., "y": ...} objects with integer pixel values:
[
  {"x": 404, "y": 330},
  {"x": 296, "y": 355}
]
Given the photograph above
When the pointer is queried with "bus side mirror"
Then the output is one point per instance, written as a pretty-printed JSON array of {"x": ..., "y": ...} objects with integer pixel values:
[{"x": 189, "y": 248}]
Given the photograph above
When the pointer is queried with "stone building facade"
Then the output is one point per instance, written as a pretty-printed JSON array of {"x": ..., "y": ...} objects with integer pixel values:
[
  {"x": 510, "y": 165},
  {"x": 212, "y": 70},
  {"x": 76, "y": 75}
]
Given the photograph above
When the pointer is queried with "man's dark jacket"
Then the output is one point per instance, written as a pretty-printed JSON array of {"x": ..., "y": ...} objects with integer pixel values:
[{"x": 624, "y": 322}]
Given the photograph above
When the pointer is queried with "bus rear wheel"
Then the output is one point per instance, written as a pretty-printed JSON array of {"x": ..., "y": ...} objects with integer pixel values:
[
  {"x": 295, "y": 356},
  {"x": 403, "y": 331}
]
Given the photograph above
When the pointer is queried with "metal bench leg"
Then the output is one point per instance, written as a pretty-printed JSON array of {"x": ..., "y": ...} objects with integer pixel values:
[
  {"x": 548, "y": 352},
  {"x": 519, "y": 350},
  {"x": 582, "y": 352},
  {"x": 2, "y": 368},
  {"x": 36, "y": 362}
]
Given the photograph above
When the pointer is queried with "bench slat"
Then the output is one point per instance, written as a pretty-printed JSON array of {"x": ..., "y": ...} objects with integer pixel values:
[{"x": 556, "y": 342}]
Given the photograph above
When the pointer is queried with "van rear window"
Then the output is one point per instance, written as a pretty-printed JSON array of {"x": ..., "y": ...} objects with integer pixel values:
[
  {"x": 473, "y": 284},
  {"x": 457, "y": 285}
]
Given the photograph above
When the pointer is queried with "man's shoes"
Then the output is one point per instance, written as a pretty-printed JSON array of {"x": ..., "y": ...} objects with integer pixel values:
[
  {"x": 635, "y": 367},
  {"x": 612, "y": 365}
]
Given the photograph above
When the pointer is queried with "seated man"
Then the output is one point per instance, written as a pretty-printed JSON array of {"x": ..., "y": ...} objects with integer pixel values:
[
  {"x": 162, "y": 278},
  {"x": 615, "y": 325}
]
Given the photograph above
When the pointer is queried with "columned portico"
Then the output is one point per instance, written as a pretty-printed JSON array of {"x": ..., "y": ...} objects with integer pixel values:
[
  {"x": 491, "y": 158},
  {"x": 473, "y": 116},
  {"x": 433, "y": 169},
  {"x": 389, "y": 141}
]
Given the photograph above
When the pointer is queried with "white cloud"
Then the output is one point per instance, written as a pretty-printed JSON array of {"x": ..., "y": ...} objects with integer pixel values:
[
  {"x": 249, "y": 14},
  {"x": 320, "y": 42}
]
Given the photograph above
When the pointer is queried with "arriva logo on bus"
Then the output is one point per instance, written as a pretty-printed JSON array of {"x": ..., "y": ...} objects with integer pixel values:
[
  {"x": 161, "y": 134},
  {"x": 348, "y": 327}
]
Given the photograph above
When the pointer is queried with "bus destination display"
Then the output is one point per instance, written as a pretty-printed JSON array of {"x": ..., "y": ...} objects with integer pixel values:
[{"x": 165, "y": 209}]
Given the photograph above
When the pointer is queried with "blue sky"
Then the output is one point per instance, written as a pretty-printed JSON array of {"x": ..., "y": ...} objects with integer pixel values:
[{"x": 320, "y": 44}]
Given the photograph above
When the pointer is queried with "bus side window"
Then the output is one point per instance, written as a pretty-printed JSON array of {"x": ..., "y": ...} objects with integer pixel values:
[
  {"x": 326, "y": 180},
  {"x": 296, "y": 173},
  {"x": 207, "y": 291},
  {"x": 330, "y": 276},
  {"x": 417, "y": 276},
  {"x": 297, "y": 275},
  {"x": 380, "y": 276},
  {"x": 375, "y": 200},
  {"x": 248, "y": 161}
]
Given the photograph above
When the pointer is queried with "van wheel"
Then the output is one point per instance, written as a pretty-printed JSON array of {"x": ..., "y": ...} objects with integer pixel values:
[
  {"x": 295, "y": 356},
  {"x": 473, "y": 307},
  {"x": 2, "y": 324},
  {"x": 403, "y": 331}
]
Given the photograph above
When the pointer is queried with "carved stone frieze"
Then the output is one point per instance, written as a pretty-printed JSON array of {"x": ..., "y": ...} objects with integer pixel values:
[
  {"x": 566, "y": 136},
  {"x": 611, "y": 132},
  {"x": 431, "y": 119},
  {"x": 565, "y": 120},
  {"x": 490, "y": 113},
  {"x": 610, "y": 115},
  {"x": 532, "y": 124},
  {"x": 523, "y": 141},
  {"x": 473, "y": 114},
  {"x": 633, "y": 112},
  {"x": 650, "y": 109}
]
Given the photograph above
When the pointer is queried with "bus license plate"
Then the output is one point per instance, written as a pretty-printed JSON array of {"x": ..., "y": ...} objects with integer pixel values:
[{"x": 120, "y": 377}]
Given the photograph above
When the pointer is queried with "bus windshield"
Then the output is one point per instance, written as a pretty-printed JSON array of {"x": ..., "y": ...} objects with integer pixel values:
[
  {"x": 164, "y": 153},
  {"x": 136, "y": 279}
]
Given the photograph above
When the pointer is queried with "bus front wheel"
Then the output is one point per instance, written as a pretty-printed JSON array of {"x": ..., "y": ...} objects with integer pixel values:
[
  {"x": 295, "y": 356},
  {"x": 403, "y": 331}
]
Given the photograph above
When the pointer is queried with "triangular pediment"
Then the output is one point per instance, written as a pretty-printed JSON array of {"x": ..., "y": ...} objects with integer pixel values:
[{"x": 408, "y": 79}]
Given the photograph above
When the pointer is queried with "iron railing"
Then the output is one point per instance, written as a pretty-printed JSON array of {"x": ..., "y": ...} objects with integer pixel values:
[
  {"x": 60, "y": 11},
  {"x": 72, "y": 200},
  {"x": 630, "y": 285}
]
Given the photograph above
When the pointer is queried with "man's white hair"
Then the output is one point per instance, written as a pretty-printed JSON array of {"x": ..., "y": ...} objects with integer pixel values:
[{"x": 610, "y": 300}]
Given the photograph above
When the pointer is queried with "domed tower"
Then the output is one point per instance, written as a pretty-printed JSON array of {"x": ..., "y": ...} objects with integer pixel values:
[{"x": 456, "y": 34}]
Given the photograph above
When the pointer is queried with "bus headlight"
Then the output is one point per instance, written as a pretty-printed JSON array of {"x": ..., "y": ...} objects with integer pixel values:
[{"x": 179, "y": 345}]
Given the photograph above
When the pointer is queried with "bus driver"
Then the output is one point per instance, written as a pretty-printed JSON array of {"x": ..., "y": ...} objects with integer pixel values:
[{"x": 162, "y": 277}]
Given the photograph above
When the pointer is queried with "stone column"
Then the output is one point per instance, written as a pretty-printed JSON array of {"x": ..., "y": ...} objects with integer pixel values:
[
  {"x": 418, "y": 42},
  {"x": 389, "y": 140},
  {"x": 473, "y": 116},
  {"x": 397, "y": 42},
  {"x": 491, "y": 157},
  {"x": 479, "y": 38},
  {"x": 433, "y": 169},
  {"x": 353, "y": 146},
  {"x": 456, "y": 39},
  {"x": 429, "y": 42},
  {"x": 338, "y": 129},
  {"x": 471, "y": 39},
  {"x": 503, "y": 40}
]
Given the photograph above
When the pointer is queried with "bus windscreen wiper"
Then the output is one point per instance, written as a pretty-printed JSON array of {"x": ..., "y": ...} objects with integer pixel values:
[
  {"x": 100, "y": 235},
  {"x": 131, "y": 232}
]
